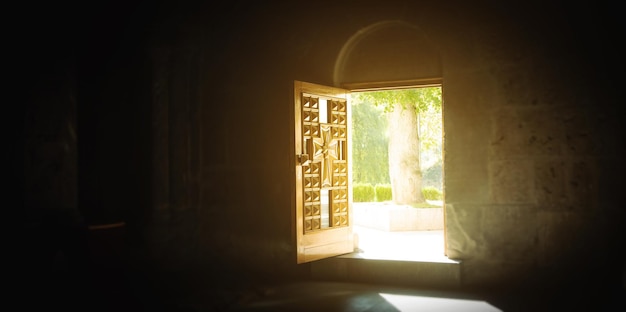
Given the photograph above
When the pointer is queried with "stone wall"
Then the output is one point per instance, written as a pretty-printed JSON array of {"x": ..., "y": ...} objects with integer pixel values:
[
  {"x": 528, "y": 132},
  {"x": 190, "y": 114}
]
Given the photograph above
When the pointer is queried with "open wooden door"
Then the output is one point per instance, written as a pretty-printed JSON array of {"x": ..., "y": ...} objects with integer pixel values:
[{"x": 323, "y": 178}]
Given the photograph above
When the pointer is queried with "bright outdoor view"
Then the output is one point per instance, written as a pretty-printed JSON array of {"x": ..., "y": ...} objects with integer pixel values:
[
  {"x": 397, "y": 161},
  {"x": 397, "y": 146}
]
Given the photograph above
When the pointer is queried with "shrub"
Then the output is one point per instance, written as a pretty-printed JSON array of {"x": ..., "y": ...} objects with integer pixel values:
[
  {"x": 363, "y": 192},
  {"x": 383, "y": 192},
  {"x": 432, "y": 193}
]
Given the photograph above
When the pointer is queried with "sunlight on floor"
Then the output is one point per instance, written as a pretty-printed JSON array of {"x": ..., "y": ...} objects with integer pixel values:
[{"x": 407, "y": 303}]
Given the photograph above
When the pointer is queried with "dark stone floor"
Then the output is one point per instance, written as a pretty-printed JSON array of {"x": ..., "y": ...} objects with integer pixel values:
[
  {"x": 48, "y": 280},
  {"x": 354, "y": 297},
  {"x": 139, "y": 294}
]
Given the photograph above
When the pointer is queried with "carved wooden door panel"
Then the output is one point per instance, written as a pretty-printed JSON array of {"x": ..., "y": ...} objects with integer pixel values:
[{"x": 323, "y": 191}]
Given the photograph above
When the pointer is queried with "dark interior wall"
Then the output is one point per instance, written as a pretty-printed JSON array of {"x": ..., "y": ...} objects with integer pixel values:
[
  {"x": 517, "y": 81},
  {"x": 85, "y": 115},
  {"x": 224, "y": 91},
  {"x": 228, "y": 202},
  {"x": 85, "y": 62},
  {"x": 185, "y": 131},
  {"x": 525, "y": 106}
]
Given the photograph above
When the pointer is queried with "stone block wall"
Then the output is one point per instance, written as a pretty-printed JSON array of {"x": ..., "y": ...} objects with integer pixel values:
[
  {"x": 190, "y": 115},
  {"x": 530, "y": 139},
  {"x": 523, "y": 181}
]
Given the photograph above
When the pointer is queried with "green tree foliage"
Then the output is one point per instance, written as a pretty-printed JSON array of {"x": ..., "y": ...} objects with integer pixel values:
[
  {"x": 427, "y": 104},
  {"x": 431, "y": 140},
  {"x": 419, "y": 99},
  {"x": 369, "y": 144}
]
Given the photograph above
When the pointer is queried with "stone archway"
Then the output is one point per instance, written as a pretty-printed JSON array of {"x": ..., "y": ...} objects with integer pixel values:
[
  {"x": 388, "y": 54},
  {"x": 387, "y": 51}
]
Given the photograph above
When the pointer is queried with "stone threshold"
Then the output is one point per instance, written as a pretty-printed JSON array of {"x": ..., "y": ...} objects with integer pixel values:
[{"x": 420, "y": 246}]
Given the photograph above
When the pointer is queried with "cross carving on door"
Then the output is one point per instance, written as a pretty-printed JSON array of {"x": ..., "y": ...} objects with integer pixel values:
[
  {"x": 325, "y": 150},
  {"x": 322, "y": 207}
]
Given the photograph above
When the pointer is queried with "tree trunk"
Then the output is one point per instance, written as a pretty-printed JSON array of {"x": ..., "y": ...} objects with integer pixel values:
[{"x": 404, "y": 157}]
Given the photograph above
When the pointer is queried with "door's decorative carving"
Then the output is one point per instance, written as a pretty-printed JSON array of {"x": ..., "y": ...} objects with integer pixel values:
[
  {"x": 322, "y": 207},
  {"x": 325, "y": 150},
  {"x": 324, "y": 140}
]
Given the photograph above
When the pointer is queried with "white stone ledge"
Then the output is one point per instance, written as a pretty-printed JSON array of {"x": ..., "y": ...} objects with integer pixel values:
[{"x": 390, "y": 217}]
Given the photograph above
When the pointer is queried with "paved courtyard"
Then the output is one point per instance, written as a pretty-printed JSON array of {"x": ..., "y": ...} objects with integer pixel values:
[{"x": 400, "y": 245}]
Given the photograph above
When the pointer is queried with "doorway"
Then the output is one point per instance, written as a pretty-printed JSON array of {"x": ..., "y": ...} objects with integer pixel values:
[{"x": 397, "y": 173}]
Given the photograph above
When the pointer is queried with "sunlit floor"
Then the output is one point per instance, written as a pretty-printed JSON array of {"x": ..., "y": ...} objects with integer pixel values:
[
  {"x": 426, "y": 246},
  {"x": 352, "y": 297}
]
